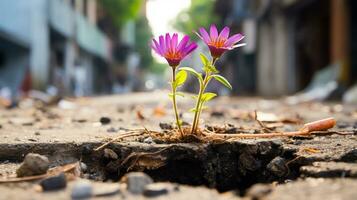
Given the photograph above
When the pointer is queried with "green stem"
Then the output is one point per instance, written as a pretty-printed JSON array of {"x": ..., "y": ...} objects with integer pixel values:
[
  {"x": 174, "y": 104},
  {"x": 199, "y": 102},
  {"x": 193, "y": 130}
]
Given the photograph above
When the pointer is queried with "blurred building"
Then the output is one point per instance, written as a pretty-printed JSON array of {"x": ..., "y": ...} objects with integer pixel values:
[
  {"x": 292, "y": 44},
  {"x": 53, "y": 42}
]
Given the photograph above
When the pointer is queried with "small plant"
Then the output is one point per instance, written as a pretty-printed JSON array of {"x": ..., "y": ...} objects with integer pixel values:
[
  {"x": 217, "y": 44},
  {"x": 169, "y": 48}
]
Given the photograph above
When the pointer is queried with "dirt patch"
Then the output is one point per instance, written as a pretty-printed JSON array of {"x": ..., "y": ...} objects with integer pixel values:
[{"x": 225, "y": 166}]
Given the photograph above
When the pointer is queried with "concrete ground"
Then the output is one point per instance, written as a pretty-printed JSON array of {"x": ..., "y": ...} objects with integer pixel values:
[{"x": 318, "y": 166}]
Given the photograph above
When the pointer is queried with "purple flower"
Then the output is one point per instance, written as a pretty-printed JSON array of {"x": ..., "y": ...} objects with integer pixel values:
[
  {"x": 169, "y": 48},
  {"x": 219, "y": 43}
]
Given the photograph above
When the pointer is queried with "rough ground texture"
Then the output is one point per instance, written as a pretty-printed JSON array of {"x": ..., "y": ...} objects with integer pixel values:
[{"x": 70, "y": 133}]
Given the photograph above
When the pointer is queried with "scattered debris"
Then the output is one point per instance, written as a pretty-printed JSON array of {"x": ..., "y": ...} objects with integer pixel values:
[
  {"x": 24, "y": 121},
  {"x": 146, "y": 160},
  {"x": 112, "y": 130},
  {"x": 148, "y": 140},
  {"x": 33, "y": 164},
  {"x": 140, "y": 115},
  {"x": 79, "y": 120},
  {"x": 259, "y": 191},
  {"x": 105, "y": 120},
  {"x": 330, "y": 169},
  {"x": 317, "y": 127},
  {"x": 166, "y": 126},
  {"x": 72, "y": 169},
  {"x": 83, "y": 166},
  {"x": 82, "y": 190},
  {"x": 110, "y": 154},
  {"x": 159, "y": 111},
  {"x": 266, "y": 117},
  {"x": 54, "y": 182},
  {"x": 103, "y": 190},
  {"x": 262, "y": 125},
  {"x": 136, "y": 182},
  {"x": 66, "y": 105},
  {"x": 128, "y": 134},
  {"x": 278, "y": 167},
  {"x": 217, "y": 113},
  {"x": 156, "y": 189}
]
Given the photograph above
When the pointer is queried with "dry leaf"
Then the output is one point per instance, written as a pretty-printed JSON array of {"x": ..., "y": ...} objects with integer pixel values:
[
  {"x": 73, "y": 169},
  {"x": 140, "y": 115},
  {"x": 159, "y": 111}
]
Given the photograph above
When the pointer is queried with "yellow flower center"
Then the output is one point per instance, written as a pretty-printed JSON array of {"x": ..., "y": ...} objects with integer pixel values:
[
  {"x": 172, "y": 55},
  {"x": 219, "y": 42}
]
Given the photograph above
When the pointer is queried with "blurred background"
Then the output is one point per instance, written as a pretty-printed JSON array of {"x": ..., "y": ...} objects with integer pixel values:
[{"x": 304, "y": 49}]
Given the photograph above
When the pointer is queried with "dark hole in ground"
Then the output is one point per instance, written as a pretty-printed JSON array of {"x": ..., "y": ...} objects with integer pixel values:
[{"x": 226, "y": 166}]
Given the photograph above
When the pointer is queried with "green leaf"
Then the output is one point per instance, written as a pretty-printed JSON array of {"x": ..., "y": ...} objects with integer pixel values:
[
  {"x": 210, "y": 68},
  {"x": 193, "y": 72},
  {"x": 181, "y": 77},
  {"x": 204, "y": 59},
  {"x": 181, "y": 94},
  {"x": 223, "y": 80},
  {"x": 204, "y": 107},
  {"x": 208, "y": 96},
  {"x": 192, "y": 110}
]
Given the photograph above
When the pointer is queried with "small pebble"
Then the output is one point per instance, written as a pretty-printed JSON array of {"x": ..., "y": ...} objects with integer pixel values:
[
  {"x": 112, "y": 130},
  {"x": 33, "y": 164},
  {"x": 110, "y": 154},
  {"x": 258, "y": 191},
  {"x": 148, "y": 140},
  {"x": 217, "y": 113},
  {"x": 156, "y": 189},
  {"x": 136, "y": 182},
  {"x": 104, "y": 120},
  {"x": 83, "y": 166},
  {"x": 165, "y": 126},
  {"x": 103, "y": 190},
  {"x": 82, "y": 190},
  {"x": 54, "y": 182},
  {"x": 277, "y": 166}
]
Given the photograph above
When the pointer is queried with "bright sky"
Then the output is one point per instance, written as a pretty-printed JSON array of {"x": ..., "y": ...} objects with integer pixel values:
[{"x": 160, "y": 13}]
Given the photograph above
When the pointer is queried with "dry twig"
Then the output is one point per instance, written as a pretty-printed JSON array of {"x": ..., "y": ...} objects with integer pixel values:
[
  {"x": 316, "y": 127},
  {"x": 261, "y": 124},
  {"x": 122, "y": 136},
  {"x": 51, "y": 172}
]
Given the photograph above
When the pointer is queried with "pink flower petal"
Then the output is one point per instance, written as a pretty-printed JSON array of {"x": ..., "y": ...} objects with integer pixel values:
[
  {"x": 204, "y": 35},
  {"x": 183, "y": 43},
  {"x": 213, "y": 32},
  {"x": 174, "y": 41},
  {"x": 156, "y": 48},
  {"x": 224, "y": 33},
  {"x": 162, "y": 44},
  {"x": 167, "y": 42},
  {"x": 234, "y": 39},
  {"x": 190, "y": 48}
]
